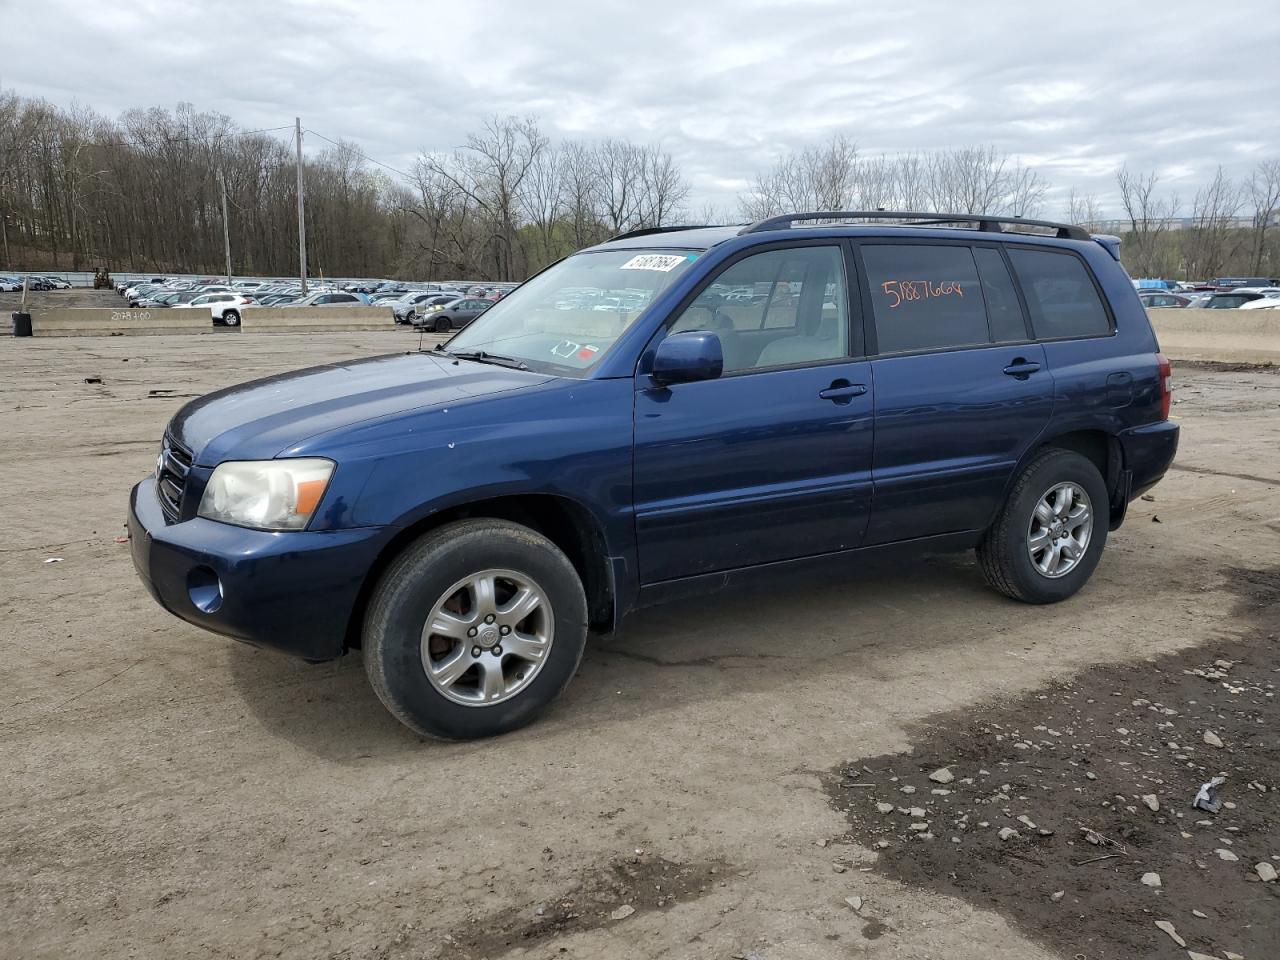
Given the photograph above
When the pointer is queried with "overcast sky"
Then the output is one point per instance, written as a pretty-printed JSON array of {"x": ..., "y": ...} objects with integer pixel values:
[{"x": 727, "y": 86}]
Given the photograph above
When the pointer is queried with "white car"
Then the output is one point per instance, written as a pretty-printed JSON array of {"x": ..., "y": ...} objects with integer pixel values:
[
  {"x": 9, "y": 285},
  {"x": 225, "y": 307}
]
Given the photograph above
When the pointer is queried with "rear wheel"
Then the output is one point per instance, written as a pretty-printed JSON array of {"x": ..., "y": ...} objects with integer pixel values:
[
  {"x": 475, "y": 629},
  {"x": 442, "y": 325},
  {"x": 231, "y": 318},
  {"x": 1050, "y": 534}
]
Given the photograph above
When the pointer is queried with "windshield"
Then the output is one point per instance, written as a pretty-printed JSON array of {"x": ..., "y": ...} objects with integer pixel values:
[{"x": 566, "y": 318}]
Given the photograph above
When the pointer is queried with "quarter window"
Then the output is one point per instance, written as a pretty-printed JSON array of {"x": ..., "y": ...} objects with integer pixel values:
[
  {"x": 925, "y": 297},
  {"x": 774, "y": 309},
  {"x": 1060, "y": 295}
]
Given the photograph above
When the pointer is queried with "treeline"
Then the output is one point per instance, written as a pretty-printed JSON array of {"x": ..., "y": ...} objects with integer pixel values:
[
  {"x": 1228, "y": 227},
  {"x": 142, "y": 193}
]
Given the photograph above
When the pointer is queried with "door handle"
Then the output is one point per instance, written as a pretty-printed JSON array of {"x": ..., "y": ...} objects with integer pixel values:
[
  {"x": 1021, "y": 368},
  {"x": 842, "y": 391}
]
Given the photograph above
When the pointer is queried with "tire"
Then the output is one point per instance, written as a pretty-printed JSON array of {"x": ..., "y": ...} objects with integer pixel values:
[
  {"x": 425, "y": 576},
  {"x": 1005, "y": 554},
  {"x": 231, "y": 318},
  {"x": 442, "y": 325}
]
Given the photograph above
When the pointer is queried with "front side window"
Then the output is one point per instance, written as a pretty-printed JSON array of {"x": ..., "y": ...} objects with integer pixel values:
[
  {"x": 1060, "y": 295},
  {"x": 925, "y": 297},
  {"x": 777, "y": 308},
  {"x": 565, "y": 319}
]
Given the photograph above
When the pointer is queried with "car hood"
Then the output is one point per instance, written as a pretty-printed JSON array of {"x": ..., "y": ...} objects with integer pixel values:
[{"x": 259, "y": 419}]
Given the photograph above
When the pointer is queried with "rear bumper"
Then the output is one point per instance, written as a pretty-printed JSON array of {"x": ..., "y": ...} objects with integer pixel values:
[
  {"x": 1148, "y": 453},
  {"x": 291, "y": 591}
]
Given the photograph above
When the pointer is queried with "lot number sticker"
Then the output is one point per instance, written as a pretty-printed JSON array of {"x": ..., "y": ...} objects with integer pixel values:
[{"x": 654, "y": 261}]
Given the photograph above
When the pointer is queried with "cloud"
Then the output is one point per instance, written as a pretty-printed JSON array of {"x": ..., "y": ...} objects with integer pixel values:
[{"x": 726, "y": 86}]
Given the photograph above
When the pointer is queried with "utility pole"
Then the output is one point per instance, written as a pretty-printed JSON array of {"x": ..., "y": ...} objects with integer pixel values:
[
  {"x": 226, "y": 228},
  {"x": 302, "y": 221}
]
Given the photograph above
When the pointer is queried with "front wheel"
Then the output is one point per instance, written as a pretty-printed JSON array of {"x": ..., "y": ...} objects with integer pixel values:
[
  {"x": 442, "y": 325},
  {"x": 474, "y": 629},
  {"x": 1049, "y": 537},
  {"x": 231, "y": 318}
]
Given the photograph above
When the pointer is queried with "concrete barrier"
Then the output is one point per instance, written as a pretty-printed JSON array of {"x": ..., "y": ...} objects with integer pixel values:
[
  {"x": 1225, "y": 336},
  {"x": 315, "y": 319},
  {"x": 107, "y": 322}
]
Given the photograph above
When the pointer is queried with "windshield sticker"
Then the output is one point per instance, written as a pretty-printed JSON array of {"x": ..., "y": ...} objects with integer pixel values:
[
  {"x": 588, "y": 352},
  {"x": 565, "y": 348},
  {"x": 661, "y": 262}
]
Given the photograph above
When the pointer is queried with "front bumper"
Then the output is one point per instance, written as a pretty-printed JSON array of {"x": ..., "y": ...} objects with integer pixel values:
[{"x": 294, "y": 591}]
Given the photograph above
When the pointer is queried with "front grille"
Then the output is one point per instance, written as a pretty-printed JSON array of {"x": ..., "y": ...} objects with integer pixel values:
[{"x": 171, "y": 476}]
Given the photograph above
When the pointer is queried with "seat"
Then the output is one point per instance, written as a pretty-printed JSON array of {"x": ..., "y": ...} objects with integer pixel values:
[{"x": 822, "y": 344}]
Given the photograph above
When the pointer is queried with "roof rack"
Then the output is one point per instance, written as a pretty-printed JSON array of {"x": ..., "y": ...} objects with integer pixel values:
[
  {"x": 1065, "y": 231},
  {"x": 648, "y": 231}
]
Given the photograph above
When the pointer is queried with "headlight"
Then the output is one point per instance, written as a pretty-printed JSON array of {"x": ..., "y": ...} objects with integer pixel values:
[{"x": 266, "y": 494}]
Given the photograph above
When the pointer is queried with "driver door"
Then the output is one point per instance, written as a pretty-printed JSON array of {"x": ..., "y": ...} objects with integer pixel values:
[{"x": 772, "y": 460}]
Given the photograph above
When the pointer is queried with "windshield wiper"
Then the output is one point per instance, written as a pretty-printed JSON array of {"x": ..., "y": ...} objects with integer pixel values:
[{"x": 481, "y": 356}]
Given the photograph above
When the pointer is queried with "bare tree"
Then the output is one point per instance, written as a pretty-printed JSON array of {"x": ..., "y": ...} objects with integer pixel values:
[
  {"x": 1148, "y": 215},
  {"x": 662, "y": 188},
  {"x": 1083, "y": 210},
  {"x": 581, "y": 187},
  {"x": 1263, "y": 189},
  {"x": 619, "y": 184},
  {"x": 1208, "y": 240},
  {"x": 1024, "y": 192},
  {"x": 542, "y": 201}
]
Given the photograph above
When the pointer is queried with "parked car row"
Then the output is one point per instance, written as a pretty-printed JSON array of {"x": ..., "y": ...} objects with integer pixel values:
[
  {"x": 227, "y": 301},
  {"x": 441, "y": 307},
  {"x": 1239, "y": 298},
  {"x": 14, "y": 284}
]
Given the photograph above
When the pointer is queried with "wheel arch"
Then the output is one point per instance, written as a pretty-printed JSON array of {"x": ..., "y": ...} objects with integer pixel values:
[
  {"x": 1099, "y": 447},
  {"x": 563, "y": 521}
]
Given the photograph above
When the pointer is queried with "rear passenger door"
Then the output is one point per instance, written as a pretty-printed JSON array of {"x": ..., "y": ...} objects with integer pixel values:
[
  {"x": 961, "y": 389},
  {"x": 1093, "y": 375}
]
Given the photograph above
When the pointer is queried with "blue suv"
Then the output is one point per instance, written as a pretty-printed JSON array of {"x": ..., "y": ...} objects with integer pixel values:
[{"x": 662, "y": 413}]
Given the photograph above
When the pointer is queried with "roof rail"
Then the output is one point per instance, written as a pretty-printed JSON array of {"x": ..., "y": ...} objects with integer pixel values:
[
  {"x": 1065, "y": 231},
  {"x": 648, "y": 231}
]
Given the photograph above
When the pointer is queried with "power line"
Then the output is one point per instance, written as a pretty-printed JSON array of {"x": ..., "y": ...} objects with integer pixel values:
[{"x": 362, "y": 155}]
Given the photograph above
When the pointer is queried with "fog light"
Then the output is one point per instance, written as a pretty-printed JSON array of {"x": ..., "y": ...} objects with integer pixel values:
[{"x": 205, "y": 589}]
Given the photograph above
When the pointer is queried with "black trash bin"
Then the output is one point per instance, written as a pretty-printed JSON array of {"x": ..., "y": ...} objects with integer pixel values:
[{"x": 22, "y": 324}]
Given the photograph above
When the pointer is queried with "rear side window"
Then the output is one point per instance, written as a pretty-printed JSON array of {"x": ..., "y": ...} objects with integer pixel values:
[
  {"x": 1060, "y": 295},
  {"x": 925, "y": 297},
  {"x": 1003, "y": 310}
]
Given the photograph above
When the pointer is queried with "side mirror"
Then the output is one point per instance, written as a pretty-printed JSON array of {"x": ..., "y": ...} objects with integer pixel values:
[{"x": 687, "y": 357}]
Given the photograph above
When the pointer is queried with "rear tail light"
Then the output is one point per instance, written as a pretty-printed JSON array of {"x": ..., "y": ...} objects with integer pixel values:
[{"x": 1166, "y": 385}]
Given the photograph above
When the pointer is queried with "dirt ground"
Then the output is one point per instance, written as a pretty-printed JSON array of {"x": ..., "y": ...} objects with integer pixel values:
[{"x": 171, "y": 794}]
